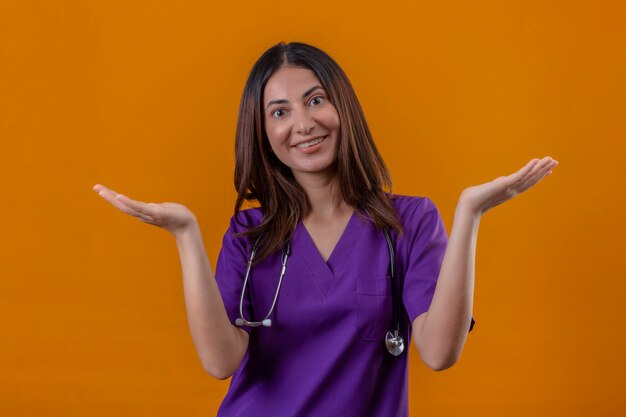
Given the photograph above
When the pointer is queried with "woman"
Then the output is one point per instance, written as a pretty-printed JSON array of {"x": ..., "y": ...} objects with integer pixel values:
[{"x": 318, "y": 290}]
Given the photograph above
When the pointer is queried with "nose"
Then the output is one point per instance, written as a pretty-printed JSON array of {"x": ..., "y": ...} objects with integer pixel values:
[{"x": 304, "y": 123}]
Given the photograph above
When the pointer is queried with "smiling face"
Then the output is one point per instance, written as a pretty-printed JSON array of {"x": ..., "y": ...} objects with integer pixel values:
[{"x": 300, "y": 122}]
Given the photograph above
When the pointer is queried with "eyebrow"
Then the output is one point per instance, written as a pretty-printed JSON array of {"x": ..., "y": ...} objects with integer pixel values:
[{"x": 306, "y": 93}]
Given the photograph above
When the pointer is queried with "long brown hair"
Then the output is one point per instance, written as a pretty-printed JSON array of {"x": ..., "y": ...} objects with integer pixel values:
[{"x": 260, "y": 176}]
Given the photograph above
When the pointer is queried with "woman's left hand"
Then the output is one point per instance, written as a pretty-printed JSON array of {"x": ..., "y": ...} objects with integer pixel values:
[{"x": 481, "y": 198}]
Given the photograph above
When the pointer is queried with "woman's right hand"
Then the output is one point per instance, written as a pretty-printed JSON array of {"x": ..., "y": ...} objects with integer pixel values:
[{"x": 172, "y": 217}]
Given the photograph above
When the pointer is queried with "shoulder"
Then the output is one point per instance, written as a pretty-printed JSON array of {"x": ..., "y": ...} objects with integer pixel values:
[
  {"x": 245, "y": 219},
  {"x": 412, "y": 209},
  {"x": 240, "y": 223},
  {"x": 419, "y": 216},
  {"x": 423, "y": 226}
]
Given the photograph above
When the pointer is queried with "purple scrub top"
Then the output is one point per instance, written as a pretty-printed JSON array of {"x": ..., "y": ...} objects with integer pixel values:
[{"x": 324, "y": 354}]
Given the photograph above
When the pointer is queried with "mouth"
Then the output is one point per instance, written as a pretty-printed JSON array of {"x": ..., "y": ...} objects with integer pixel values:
[{"x": 310, "y": 143}]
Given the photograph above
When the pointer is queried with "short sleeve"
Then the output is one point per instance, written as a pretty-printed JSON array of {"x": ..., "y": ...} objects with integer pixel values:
[
  {"x": 230, "y": 272},
  {"x": 426, "y": 252}
]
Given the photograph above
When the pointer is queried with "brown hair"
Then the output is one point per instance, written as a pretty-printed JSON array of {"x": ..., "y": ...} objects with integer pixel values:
[{"x": 260, "y": 176}]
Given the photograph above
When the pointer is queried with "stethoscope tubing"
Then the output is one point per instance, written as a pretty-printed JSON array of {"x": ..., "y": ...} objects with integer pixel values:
[
  {"x": 267, "y": 322},
  {"x": 393, "y": 340}
]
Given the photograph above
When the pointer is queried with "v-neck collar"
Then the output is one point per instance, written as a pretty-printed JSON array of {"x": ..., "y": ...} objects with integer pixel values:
[{"x": 325, "y": 272}]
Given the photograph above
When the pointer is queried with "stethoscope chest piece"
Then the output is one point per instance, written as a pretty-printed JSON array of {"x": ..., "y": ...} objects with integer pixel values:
[{"x": 394, "y": 343}]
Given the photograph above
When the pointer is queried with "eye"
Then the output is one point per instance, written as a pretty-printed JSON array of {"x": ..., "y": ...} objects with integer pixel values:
[
  {"x": 317, "y": 98},
  {"x": 276, "y": 111}
]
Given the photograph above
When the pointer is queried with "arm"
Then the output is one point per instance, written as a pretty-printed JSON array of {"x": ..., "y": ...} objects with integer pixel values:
[
  {"x": 441, "y": 332},
  {"x": 220, "y": 345}
]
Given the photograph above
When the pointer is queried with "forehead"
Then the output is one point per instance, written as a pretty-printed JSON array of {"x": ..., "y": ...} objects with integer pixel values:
[{"x": 289, "y": 83}]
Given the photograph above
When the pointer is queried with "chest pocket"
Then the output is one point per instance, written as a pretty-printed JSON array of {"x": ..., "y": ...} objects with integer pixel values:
[{"x": 374, "y": 306}]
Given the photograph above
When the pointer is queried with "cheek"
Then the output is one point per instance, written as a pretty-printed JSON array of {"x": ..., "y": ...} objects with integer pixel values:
[
  {"x": 277, "y": 132},
  {"x": 334, "y": 120}
]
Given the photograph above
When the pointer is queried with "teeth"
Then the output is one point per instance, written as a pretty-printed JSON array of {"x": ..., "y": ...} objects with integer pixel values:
[{"x": 311, "y": 142}]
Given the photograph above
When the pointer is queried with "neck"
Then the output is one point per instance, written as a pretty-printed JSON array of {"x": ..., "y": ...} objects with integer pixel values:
[{"x": 324, "y": 195}]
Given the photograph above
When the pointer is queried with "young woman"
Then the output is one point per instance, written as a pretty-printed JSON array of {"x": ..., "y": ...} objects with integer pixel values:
[{"x": 318, "y": 291}]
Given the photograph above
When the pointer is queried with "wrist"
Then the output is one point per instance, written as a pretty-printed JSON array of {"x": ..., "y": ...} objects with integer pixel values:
[
  {"x": 189, "y": 229},
  {"x": 466, "y": 210}
]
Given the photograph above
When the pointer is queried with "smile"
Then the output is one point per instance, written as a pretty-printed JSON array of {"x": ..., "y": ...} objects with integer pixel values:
[{"x": 311, "y": 142}]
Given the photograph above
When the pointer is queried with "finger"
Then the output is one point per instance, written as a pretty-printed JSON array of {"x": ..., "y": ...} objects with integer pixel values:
[
  {"x": 111, "y": 197},
  {"x": 542, "y": 170},
  {"x": 125, "y": 204},
  {"x": 522, "y": 175},
  {"x": 146, "y": 219},
  {"x": 143, "y": 210},
  {"x": 99, "y": 187},
  {"x": 147, "y": 211},
  {"x": 105, "y": 192},
  {"x": 533, "y": 181},
  {"x": 138, "y": 206}
]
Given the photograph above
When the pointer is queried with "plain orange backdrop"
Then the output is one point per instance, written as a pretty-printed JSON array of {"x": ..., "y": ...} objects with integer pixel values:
[{"x": 142, "y": 96}]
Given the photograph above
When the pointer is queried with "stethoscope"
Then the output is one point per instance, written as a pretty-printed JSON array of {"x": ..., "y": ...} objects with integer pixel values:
[{"x": 393, "y": 340}]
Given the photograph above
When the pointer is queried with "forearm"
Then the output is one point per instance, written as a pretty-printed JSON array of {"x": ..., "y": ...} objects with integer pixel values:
[
  {"x": 220, "y": 345},
  {"x": 445, "y": 328}
]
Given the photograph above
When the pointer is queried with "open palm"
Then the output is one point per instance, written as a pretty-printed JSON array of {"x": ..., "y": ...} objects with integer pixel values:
[
  {"x": 481, "y": 198},
  {"x": 172, "y": 217}
]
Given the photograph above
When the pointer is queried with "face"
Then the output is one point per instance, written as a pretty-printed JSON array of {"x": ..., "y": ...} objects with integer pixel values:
[{"x": 300, "y": 122}]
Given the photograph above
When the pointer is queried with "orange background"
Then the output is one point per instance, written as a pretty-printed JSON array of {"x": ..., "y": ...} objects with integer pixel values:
[{"x": 143, "y": 96}]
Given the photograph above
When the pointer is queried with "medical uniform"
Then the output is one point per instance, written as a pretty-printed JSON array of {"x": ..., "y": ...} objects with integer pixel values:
[{"x": 324, "y": 354}]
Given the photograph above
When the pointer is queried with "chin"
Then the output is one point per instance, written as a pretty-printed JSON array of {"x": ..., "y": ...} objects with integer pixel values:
[{"x": 313, "y": 170}]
